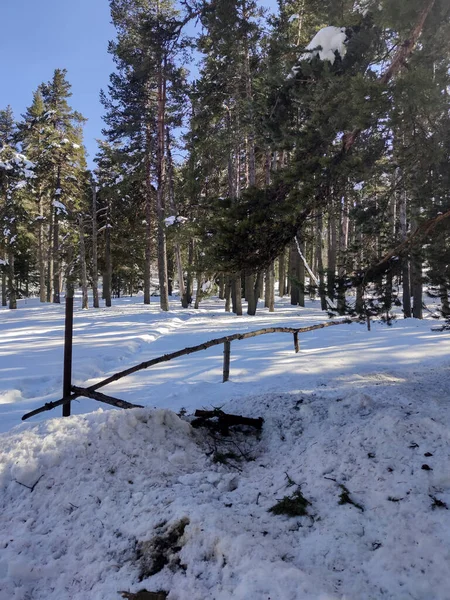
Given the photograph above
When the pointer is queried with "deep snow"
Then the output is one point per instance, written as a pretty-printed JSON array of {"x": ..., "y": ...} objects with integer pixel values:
[{"x": 354, "y": 408}]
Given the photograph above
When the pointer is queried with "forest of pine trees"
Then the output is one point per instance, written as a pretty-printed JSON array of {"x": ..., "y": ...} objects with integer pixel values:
[{"x": 235, "y": 155}]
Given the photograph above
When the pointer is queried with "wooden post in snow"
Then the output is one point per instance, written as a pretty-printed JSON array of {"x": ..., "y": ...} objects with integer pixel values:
[
  {"x": 296, "y": 347},
  {"x": 226, "y": 361},
  {"x": 68, "y": 337}
]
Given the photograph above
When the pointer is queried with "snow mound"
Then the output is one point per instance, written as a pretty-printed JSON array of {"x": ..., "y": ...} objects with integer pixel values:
[{"x": 79, "y": 496}]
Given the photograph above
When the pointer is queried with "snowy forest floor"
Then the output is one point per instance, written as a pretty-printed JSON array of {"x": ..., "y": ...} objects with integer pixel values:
[{"x": 91, "y": 504}]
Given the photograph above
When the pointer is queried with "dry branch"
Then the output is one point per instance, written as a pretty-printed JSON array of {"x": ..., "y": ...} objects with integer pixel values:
[
  {"x": 103, "y": 398},
  {"x": 228, "y": 420}
]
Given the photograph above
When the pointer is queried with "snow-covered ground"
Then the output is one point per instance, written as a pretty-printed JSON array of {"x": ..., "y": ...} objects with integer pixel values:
[{"x": 91, "y": 504}]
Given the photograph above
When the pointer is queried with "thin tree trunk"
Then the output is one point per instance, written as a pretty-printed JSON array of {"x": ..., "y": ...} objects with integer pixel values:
[
  {"x": 50, "y": 266},
  {"x": 12, "y": 293},
  {"x": 187, "y": 298},
  {"x": 199, "y": 293},
  {"x": 84, "y": 283},
  {"x": 148, "y": 216},
  {"x": 320, "y": 271},
  {"x": 445, "y": 306},
  {"x": 301, "y": 278},
  {"x": 161, "y": 180},
  {"x": 406, "y": 286},
  {"x": 56, "y": 261},
  {"x": 4, "y": 286},
  {"x": 107, "y": 276},
  {"x": 221, "y": 286},
  {"x": 416, "y": 271},
  {"x": 271, "y": 286},
  {"x": 228, "y": 295},
  {"x": 250, "y": 294},
  {"x": 94, "y": 247},
  {"x": 41, "y": 251},
  {"x": 177, "y": 248},
  {"x": 282, "y": 274},
  {"x": 236, "y": 294},
  {"x": 294, "y": 275},
  {"x": 342, "y": 253},
  {"x": 416, "y": 284},
  {"x": 331, "y": 268}
]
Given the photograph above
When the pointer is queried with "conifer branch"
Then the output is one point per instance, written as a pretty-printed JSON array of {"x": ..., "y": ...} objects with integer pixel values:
[{"x": 399, "y": 60}]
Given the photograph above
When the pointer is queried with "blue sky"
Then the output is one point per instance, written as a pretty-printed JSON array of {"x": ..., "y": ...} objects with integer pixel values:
[{"x": 39, "y": 36}]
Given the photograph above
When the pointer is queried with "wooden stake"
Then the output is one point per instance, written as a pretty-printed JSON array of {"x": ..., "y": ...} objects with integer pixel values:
[
  {"x": 296, "y": 346},
  {"x": 226, "y": 361},
  {"x": 68, "y": 338}
]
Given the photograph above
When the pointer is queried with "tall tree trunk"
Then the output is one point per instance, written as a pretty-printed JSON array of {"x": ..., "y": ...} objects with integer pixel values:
[
  {"x": 301, "y": 277},
  {"x": 94, "y": 247},
  {"x": 320, "y": 270},
  {"x": 250, "y": 294},
  {"x": 84, "y": 283},
  {"x": 199, "y": 291},
  {"x": 187, "y": 297},
  {"x": 161, "y": 181},
  {"x": 416, "y": 270},
  {"x": 148, "y": 216},
  {"x": 107, "y": 276},
  {"x": 41, "y": 250},
  {"x": 445, "y": 306},
  {"x": 12, "y": 293},
  {"x": 4, "y": 285},
  {"x": 50, "y": 266},
  {"x": 406, "y": 286},
  {"x": 416, "y": 283},
  {"x": 294, "y": 275},
  {"x": 173, "y": 208},
  {"x": 331, "y": 267},
  {"x": 271, "y": 288},
  {"x": 228, "y": 294},
  {"x": 342, "y": 251},
  {"x": 236, "y": 294},
  {"x": 56, "y": 259},
  {"x": 221, "y": 286},
  {"x": 282, "y": 274}
]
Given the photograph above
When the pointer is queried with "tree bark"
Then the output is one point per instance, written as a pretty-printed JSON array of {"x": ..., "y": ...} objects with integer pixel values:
[
  {"x": 228, "y": 294},
  {"x": 4, "y": 286},
  {"x": 173, "y": 208},
  {"x": 199, "y": 292},
  {"x": 250, "y": 294},
  {"x": 56, "y": 261},
  {"x": 282, "y": 274},
  {"x": 331, "y": 268},
  {"x": 41, "y": 250},
  {"x": 84, "y": 283},
  {"x": 187, "y": 298},
  {"x": 161, "y": 181},
  {"x": 236, "y": 294},
  {"x": 94, "y": 247},
  {"x": 107, "y": 276},
  {"x": 12, "y": 293},
  {"x": 294, "y": 260},
  {"x": 50, "y": 258}
]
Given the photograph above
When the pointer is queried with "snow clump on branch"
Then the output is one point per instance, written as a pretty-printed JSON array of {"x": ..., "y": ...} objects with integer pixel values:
[{"x": 324, "y": 45}]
